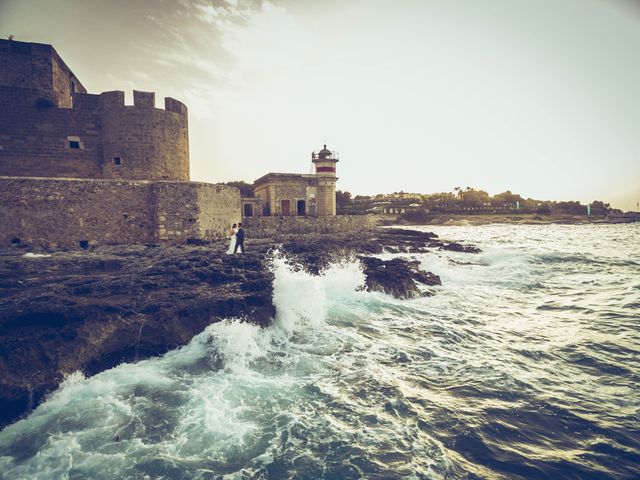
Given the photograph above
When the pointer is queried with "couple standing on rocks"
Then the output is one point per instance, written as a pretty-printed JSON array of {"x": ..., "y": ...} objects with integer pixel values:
[{"x": 236, "y": 234}]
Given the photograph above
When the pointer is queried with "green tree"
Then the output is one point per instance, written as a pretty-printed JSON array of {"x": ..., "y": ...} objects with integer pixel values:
[
  {"x": 343, "y": 199},
  {"x": 246, "y": 189},
  {"x": 507, "y": 197},
  {"x": 600, "y": 208},
  {"x": 475, "y": 198}
]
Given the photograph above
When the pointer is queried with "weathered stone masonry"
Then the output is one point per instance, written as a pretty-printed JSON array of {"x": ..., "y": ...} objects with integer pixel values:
[{"x": 72, "y": 213}]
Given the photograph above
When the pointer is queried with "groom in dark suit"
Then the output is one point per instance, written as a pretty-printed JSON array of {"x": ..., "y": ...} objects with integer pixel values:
[{"x": 239, "y": 239}]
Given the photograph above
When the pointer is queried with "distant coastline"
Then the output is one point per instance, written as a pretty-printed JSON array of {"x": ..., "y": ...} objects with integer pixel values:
[{"x": 524, "y": 219}]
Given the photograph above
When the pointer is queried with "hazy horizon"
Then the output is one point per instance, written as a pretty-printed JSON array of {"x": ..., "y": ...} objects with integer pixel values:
[{"x": 538, "y": 97}]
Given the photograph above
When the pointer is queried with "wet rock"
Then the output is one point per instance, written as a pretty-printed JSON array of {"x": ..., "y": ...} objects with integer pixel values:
[
  {"x": 457, "y": 247},
  {"x": 396, "y": 277}
]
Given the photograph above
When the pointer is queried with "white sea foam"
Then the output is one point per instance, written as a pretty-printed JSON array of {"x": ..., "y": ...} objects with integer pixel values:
[{"x": 302, "y": 299}]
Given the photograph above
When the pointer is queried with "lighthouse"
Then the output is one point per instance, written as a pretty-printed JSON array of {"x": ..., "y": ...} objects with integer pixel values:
[{"x": 325, "y": 162}]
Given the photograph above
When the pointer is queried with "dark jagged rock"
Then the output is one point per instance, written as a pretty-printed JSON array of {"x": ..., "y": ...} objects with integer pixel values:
[
  {"x": 397, "y": 277},
  {"x": 454, "y": 247}
]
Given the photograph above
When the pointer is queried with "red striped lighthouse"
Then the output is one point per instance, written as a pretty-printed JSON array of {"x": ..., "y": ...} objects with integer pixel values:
[{"x": 325, "y": 161}]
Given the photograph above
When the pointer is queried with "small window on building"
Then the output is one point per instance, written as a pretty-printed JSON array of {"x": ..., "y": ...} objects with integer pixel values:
[
  {"x": 117, "y": 161},
  {"x": 74, "y": 142}
]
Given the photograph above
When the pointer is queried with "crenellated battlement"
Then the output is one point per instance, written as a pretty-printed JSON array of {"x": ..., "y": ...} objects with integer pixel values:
[{"x": 141, "y": 100}]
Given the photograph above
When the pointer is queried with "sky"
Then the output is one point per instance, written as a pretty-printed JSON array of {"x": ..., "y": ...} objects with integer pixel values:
[{"x": 540, "y": 97}]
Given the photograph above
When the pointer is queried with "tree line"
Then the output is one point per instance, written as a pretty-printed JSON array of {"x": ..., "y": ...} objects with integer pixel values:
[{"x": 466, "y": 200}]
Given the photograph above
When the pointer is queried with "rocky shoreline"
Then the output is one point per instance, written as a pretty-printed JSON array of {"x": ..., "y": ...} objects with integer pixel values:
[{"x": 92, "y": 310}]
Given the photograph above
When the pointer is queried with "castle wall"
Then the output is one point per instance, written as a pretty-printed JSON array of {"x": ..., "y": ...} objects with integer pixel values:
[
  {"x": 150, "y": 143},
  {"x": 194, "y": 211},
  {"x": 35, "y": 133},
  {"x": 219, "y": 207},
  {"x": 174, "y": 209},
  {"x": 268, "y": 227},
  {"x": 61, "y": 213}
]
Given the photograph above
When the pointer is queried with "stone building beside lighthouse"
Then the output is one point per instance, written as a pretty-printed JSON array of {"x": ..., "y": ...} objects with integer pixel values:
[{"x": 294, "y": 194}]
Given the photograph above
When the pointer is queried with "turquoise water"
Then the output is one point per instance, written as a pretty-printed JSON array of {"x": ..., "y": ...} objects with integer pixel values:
[{"x": 524, "y": 364}]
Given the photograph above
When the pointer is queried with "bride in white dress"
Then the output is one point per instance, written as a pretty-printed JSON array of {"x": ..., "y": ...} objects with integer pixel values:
[{"x": 232, "y": 236}]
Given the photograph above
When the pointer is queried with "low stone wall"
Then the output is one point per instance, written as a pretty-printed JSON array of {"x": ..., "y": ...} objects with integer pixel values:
[
  {"x": 263, "y": 227},
  {"x": 77, "y": 213}
]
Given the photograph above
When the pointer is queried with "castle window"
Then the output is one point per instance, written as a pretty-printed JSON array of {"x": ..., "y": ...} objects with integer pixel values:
[
  {"x": 74, "y": 143},
  {"x": 117, "y": 161}
]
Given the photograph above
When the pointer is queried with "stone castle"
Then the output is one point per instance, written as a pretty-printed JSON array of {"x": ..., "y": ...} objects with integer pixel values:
[{"x": 78, "y": 169}]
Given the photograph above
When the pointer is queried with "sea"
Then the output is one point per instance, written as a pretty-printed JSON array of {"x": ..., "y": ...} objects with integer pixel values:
[{"x": 524, "y": 364}]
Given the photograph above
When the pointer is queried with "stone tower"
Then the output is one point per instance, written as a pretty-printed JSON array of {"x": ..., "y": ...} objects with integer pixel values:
[
  {"x": 51, "y": 127},
  {"x": 325, "y": 162}
]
